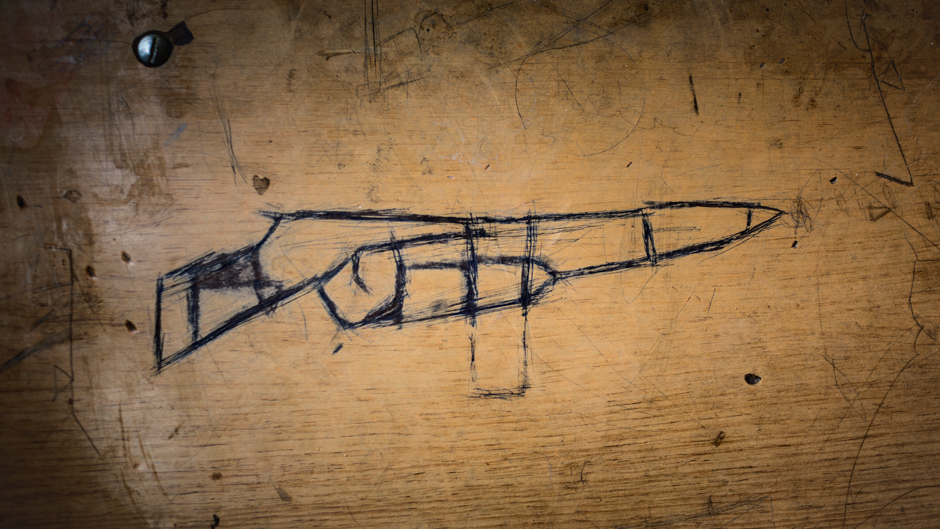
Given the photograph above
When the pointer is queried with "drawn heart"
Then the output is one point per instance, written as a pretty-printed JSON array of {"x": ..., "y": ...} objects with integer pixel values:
[{"x": 261, "y": 184}]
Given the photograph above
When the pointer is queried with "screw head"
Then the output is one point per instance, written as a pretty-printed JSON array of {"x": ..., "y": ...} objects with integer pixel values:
[{"x": 153, "y": 48}]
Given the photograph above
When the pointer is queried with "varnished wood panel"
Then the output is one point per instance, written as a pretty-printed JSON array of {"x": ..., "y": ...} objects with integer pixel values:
[{"x": 616, "y": 399}]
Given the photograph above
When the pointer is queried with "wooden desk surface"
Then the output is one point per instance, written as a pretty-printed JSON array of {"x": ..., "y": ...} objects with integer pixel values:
[{"x": 619, "y": 399}]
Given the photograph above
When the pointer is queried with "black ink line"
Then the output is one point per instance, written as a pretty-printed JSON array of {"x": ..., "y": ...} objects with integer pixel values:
[
  {"x": 526, "y": 298},
  {"x": 895, "y": 179},
  {"x": 192, "y": 306},
  {"x": 471, "y": 271},
  {"x": 157, "y": 326},
  {"x": 694, "y": 99},
  {"x": 648, "y": 244},
  {"x": 395, "y": 216}
]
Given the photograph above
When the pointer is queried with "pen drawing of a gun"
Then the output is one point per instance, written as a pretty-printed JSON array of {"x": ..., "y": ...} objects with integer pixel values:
[{"x": 381, "y": 269}]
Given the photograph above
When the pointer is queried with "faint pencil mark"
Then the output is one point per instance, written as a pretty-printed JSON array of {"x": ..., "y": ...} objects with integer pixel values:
[
  {"x": 896, "y": 78},
  {"x": 380, "y": 74},
  {"x": 554, "y": 43},
  {"x": 925, "y": 286},
  {"x": 33, "y": 349},
  {"x": 876, "y": 199},
  {"x": 714, "y": 509},
  {"x": 748, "y": 287},
  {"x": 896, "y": 498},
  {"x": 806, "y": 11},
  {"x": 84, "y": 431},
  {"x": 878, "y": 82},
  {"x": 877, "y": 212},
  {"x": 547, "y": 86},
  {"x": 484, "y": 13},
  {"x": 351, "y": 514},
  {"x": 773, "y": 518},
  {"x": 851, "y": 402},
  {"x": 407, "y": 269},
  {"x": 800, "y": 216},
  {"x": 848, "y": 488},
  {"x": 55, "y": 381},
  {"x": 226, "y": 123},
  {"x": 70, "y": 374},
  {"x": 372, "y": 46},
  {"x": 377, "y": 483}
]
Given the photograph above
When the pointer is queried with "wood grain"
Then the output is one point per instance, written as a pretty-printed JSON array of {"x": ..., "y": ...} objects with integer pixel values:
[{"x": 636, "y": 411}]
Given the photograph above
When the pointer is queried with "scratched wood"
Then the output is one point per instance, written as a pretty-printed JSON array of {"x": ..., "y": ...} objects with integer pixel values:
[{"x": 634, "y": 410}]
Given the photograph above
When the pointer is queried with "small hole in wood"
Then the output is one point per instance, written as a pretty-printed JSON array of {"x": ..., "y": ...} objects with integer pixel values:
[{"x": 718, "y": 439}]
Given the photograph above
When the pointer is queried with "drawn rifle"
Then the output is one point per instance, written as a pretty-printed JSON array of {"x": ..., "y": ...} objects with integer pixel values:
[{"x": 386, "y": 268}]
